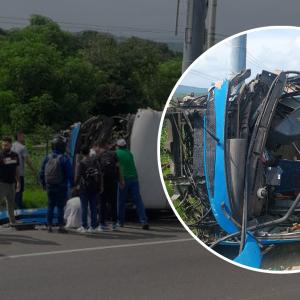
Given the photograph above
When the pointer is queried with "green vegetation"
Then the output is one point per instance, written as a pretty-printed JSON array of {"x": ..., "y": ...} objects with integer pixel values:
[
  {"x": 34, "y": 196},
  {"x": 189, "y": 208},
  {"x": 50, "y": 78},
  {"x": 165, "y": 160}
]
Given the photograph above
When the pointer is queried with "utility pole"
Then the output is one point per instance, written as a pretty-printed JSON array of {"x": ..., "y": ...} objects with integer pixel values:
[
  {"x": 177, "y": 17},
  {"x": 194, "y": 41},
  {"x": 195, "y": 32},
  {"x": 238, "y": 52},
  {"x": 211, "y": 31}
]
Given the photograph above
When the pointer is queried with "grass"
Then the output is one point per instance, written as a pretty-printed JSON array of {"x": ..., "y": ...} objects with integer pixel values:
[
  {"x": 189, "y": 209},
  {"x": 34, "y": 196},
  {"x": 165, "y": 160}
]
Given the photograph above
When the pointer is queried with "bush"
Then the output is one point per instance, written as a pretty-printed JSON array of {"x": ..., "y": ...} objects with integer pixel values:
[{"x": 35, "y": 198}]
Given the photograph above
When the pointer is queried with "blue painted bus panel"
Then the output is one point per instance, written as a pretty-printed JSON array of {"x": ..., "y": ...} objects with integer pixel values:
[
  {"x": 251, "y": 254},
  {"x": 220, "y": 196},
  {"x": 38, "y": 215},
  {"x": 73, "y": 140},
  {"x": 219, "y": 199}
]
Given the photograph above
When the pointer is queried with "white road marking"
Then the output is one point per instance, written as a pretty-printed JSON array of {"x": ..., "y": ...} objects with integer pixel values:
[{"x": 94, "y": 248}]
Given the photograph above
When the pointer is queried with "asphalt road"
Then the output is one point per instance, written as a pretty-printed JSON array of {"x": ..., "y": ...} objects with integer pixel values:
[{"x": 163, "y": 263}]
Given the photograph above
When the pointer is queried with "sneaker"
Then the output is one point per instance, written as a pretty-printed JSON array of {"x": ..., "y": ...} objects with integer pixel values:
[
  {"x": 81, "y": 229},
  {"x": 62, "y": 230},
  {"x": 114, "y": 227},
  {"x": 120, "y": 224},
  {"x": 99, "y": 229},
  {"x": 103, "y": 228},
  {"x": 145, "y": 227},
  {"x": 92, "y": 230}
]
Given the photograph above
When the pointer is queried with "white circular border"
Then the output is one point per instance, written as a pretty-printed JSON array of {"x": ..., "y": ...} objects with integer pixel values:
[{"x": 159, "y": 161}]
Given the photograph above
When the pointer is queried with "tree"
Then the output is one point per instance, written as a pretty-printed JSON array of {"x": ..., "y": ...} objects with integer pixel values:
[
  {"x": 168, "y": 74},
  {"x": 50, "y": 78}
]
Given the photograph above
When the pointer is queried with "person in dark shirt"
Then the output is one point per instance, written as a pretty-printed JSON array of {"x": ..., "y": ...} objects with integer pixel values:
[
  {"x": 88, "y": 182},
  {"x": 9, "y": 176},
  {"x": 56, "y": 180},
  {"x": 111, "y": 176}
]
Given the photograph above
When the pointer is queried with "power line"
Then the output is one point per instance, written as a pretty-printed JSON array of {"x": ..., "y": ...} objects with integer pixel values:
[
  {"x": 103, "y": 27},
  {"x": 111, "y": 28},
  {"x": 258, "y": 60},
  {"x": 162, "y": 38},
  {"x": 202, "y": 74},
  {"x": 253, "y": 63},
  {"x": 12, "y": 23}
]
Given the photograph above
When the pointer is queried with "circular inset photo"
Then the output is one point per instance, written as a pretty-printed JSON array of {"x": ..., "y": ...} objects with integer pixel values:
[{"x": 230, "y": 149}]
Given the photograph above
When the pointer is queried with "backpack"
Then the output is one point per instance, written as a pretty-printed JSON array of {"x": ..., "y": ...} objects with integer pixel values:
[
  {"x": 108, "y": 163},
  {"x": 92, "y": 179},
  {"x": 53, "y": 170}
]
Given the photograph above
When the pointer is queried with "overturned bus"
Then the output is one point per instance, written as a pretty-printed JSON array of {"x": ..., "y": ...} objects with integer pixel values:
[
  {"x": 249, "y": 162},
  {"x": 140, "y": 131}
]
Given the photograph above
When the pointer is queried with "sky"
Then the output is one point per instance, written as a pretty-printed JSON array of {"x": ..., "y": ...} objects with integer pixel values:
[
  {"x": 153, "y": 19},
  {"x": 268, "y": 49}
]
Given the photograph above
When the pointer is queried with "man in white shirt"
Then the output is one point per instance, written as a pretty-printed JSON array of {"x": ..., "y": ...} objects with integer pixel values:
[{"x": 20, "y": 148}]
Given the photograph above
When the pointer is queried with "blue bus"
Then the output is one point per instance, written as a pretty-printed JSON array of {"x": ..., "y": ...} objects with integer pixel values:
[{"x": 251, "y": 153}]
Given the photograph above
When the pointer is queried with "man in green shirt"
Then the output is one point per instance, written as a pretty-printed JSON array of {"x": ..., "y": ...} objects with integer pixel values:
[{"x": 129, "y": 184}]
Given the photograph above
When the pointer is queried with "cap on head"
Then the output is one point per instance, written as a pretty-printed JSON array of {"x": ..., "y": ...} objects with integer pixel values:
[
  {"x": 59, "y": 144},
  {"x": 121, "y": 143}
]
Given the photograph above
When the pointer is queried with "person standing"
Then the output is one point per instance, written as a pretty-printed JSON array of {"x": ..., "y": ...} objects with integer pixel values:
[
  {"x": 89, "y": 183},
  {"x": 108, "y": 198},
  {"x": 19, "y": 147},
  {"x": 94, "y": 150},
  {"x": 56, "y": 176},
  {"x": 129, "y": 185},
  {"x": 9, "y": 177}
]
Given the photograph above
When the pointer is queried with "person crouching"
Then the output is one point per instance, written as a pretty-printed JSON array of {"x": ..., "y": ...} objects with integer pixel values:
[{"x": 89, "y": 183}]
